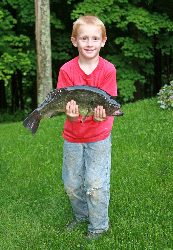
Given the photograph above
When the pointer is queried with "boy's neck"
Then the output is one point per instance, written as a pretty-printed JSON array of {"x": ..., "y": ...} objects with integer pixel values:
[{"x": 88, "y": 66}]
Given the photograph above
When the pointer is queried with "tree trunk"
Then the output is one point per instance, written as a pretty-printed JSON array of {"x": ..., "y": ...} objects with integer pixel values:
[
  {"x": 14, "y": 94},
  {"x": 157, "y": 83},
  {"x": 17, "y": 102},
  {"x": 3, "y": 101},
  {"x": 43, "y": 45},
  {"x": 20, "y": 89}
]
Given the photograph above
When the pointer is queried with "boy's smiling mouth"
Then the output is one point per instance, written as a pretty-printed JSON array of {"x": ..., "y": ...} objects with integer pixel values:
[{"x": 89, "y": 50}]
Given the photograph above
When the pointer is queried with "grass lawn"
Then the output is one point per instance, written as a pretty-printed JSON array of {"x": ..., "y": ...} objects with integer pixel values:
[{"x": 34, "y": 208}]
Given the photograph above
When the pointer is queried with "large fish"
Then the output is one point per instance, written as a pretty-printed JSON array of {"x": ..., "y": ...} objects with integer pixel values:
[{"x": 86, "y": 97}]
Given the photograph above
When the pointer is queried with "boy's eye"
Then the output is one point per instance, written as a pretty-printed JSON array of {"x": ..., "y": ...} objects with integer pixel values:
[{"x": 95, "y": 38}]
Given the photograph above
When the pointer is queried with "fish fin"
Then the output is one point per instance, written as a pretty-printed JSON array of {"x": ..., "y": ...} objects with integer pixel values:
[
  {"x": 56, "y": 113},
  {"x": 83, "y": 118},
  {"x": 32, "y": 121},
  {"x": 85, "y": 115}
]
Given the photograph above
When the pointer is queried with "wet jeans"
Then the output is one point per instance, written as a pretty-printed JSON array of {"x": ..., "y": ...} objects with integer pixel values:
[{"x": 86, "y": 176}]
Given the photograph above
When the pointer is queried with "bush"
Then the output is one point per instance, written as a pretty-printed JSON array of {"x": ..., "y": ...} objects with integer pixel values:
[
  {"x": 6, "y": 117},
  {"x": 165, "y": 96}
]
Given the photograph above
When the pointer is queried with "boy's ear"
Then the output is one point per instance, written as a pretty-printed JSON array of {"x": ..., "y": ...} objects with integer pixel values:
[
  {"x": 74, "y": 42},
  {"x": 104, "y": 41}
]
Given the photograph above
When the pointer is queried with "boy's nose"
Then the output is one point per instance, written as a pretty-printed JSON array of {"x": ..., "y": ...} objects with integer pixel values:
[{"x": 89, "y": 42}]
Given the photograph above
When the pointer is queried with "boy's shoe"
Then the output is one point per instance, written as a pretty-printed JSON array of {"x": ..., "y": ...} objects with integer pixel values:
[
  {"x": 93, "y": 235},
  {"x": 74, "y": 223}
]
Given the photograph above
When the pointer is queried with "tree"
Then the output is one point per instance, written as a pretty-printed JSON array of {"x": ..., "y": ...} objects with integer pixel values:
[
  {"x": 43, "y": 44},
  {"x": 15, "y": 61}
]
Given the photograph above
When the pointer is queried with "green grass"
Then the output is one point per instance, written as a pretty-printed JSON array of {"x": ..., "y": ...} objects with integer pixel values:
[{"x": 35, "y": 209}]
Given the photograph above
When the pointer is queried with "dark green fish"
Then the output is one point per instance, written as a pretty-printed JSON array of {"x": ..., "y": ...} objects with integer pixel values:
[{"x": 87, "y": 98}]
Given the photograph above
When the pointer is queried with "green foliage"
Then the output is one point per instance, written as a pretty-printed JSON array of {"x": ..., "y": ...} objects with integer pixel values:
[
  {"x": 126, "y": 77},
  {"x": 135, "y": 49},
  {"x": 165, "y": 96},
  {"x": 56, "y": 23},
  {"x": 99, "y": 8},
  {"x": 6, "y": 20},
  {"x": 10, "y": 62},
  {"x": 23, "y": 9},
  {"x": 149, "y": 23},
  {"x": 61, "y": 52},
  {"x": 13, "y": 49},
  {"x": 18, "y": 116},
  {"x": 165, "y": 44}
]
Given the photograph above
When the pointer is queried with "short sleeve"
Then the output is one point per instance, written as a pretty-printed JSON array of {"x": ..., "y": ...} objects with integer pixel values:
[
  {"x": 110, "y": 85},
  {"x": 63, "y": 79}
]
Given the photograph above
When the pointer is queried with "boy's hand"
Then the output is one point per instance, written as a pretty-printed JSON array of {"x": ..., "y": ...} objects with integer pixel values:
[
  {"x": 72, "y": 111},
  {"x": 99, "y": 114}
]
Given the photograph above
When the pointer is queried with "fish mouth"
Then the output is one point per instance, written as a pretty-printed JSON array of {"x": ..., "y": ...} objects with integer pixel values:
[{"x": 118, "y": 112}]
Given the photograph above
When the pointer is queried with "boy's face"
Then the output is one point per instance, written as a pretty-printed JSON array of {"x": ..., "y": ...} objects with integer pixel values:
[{"x": 89, "y": 41}]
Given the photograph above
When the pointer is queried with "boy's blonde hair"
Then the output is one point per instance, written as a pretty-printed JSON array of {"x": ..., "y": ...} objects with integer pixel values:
[{"x": 88, "y": 20}]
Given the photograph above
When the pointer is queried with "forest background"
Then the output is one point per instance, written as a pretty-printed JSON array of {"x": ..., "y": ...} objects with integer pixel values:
[{"x": 140, "y": 45}]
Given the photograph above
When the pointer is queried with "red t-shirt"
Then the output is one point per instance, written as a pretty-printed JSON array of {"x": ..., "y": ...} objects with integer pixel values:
[{"x": 103, "y": 77}]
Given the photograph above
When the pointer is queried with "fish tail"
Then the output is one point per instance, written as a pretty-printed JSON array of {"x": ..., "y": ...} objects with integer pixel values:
[{"x": 32, "y": 121}]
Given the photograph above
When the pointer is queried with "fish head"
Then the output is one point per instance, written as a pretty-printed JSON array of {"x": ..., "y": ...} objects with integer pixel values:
[
  {"x": 114, "y": 107},
  {"x": 114, "y": 104}
]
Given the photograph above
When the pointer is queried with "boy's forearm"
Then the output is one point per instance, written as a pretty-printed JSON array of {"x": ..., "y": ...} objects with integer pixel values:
[
  {"x": 96, "y": 119},
  {"x": 71, "y": 119}
]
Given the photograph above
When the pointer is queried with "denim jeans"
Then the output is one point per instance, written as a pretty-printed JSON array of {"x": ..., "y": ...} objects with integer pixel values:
[{"x": 86, "y": 176}]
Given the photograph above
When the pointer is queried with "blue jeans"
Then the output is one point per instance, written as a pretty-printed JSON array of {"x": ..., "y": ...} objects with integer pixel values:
[{"x": 86, "y": 176}]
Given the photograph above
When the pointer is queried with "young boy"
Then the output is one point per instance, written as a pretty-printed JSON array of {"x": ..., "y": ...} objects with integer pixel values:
[{"x": 87, "y": 145}]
